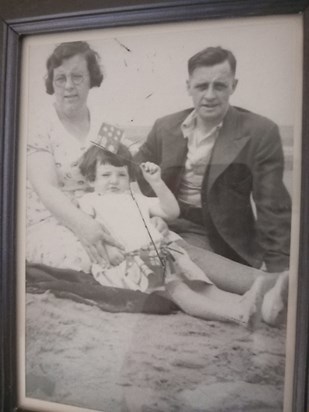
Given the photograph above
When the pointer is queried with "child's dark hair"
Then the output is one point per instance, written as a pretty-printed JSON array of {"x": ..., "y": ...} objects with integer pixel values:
[{"x": 96, "y": 154}]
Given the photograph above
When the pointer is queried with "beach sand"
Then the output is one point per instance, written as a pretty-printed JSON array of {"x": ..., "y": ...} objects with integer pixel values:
[{"x": 78, "y": 355}]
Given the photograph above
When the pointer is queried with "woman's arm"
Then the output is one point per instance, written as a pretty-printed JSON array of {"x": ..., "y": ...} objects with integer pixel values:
[
  {"x": 167, "y": 207},
  {"x": 43, "y": 177}
]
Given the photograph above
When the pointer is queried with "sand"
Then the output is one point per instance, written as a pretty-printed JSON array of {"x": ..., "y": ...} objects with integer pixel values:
[{"x": 78, "y": 355}]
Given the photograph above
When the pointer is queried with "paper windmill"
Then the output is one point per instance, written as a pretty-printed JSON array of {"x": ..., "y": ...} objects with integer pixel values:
[{"x": 109, "y": 137}]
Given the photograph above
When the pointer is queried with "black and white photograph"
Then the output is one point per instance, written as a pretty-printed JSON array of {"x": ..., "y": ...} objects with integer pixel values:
[{"x": 159, "y": 197}]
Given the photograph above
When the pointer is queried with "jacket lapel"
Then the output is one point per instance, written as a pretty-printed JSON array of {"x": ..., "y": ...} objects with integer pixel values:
[
  {"x": 229, "y": 143},
  {"x": 174, "y": 155},
  {"x": 176, "y": 146}
]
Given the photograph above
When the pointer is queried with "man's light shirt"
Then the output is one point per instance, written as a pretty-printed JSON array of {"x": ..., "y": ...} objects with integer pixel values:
[{"x": 200, "y": 146}]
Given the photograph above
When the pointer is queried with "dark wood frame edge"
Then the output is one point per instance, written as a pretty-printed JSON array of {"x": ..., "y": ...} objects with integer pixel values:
[{"x": 12, "y": 31}]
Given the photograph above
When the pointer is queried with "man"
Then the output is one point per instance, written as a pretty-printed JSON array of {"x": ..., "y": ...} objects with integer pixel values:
[{"x": 225, "y": 166}]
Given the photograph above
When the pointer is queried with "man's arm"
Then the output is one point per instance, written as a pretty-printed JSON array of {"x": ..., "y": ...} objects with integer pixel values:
[{"x": 273, "y": 202}]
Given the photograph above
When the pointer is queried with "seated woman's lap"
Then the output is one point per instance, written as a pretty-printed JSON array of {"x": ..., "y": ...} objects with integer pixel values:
[{"x": 52, "y": 244}]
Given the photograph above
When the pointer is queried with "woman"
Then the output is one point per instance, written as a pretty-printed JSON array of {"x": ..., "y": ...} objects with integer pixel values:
[{"x": 59, "y": 234}]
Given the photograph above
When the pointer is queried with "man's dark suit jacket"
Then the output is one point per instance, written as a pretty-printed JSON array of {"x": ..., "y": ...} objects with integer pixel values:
[{"x": 246, "y": 161}]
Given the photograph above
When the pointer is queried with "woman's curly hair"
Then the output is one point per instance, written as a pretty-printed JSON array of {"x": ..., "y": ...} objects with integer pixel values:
[{"x": 69, "y": 49}]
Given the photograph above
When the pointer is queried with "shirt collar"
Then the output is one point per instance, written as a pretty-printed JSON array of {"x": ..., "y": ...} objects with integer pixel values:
[{"x": 189, "y": 124}]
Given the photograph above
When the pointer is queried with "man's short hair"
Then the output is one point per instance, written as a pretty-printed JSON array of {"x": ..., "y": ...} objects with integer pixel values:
[{"x": 210, "y": 57}]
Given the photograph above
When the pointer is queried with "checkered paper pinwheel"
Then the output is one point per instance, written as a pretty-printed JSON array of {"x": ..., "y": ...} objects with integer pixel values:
[{"x": 109, "y": 137}]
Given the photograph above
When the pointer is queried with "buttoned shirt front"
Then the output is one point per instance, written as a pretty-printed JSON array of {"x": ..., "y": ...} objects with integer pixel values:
[{"x": 200, "y": 146}]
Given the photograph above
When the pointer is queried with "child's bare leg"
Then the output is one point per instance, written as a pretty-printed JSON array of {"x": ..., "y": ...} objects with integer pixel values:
[{"x": 211, "y": 303}]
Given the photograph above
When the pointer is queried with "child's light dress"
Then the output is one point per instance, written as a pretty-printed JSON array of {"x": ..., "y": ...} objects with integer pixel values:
[{"x": 150, "y": 261}]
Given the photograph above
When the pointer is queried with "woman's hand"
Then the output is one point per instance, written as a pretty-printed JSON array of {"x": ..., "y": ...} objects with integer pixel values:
[
  {"x": 115, "y": 256},
  {"x": 93, "y": 236},
  {"x": 160, "y": 225}
]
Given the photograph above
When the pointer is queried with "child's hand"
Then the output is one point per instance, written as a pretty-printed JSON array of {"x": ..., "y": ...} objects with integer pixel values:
[
  {"x": 115, "y": 256},
  {"x": 151, "y": 172}
]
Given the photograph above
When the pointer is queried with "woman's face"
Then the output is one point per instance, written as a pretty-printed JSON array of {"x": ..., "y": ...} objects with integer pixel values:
[{"x": 71, "y": 83}]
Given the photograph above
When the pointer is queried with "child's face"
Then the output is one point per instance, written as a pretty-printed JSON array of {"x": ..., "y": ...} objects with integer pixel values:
[{"x": 111, "y": 179}]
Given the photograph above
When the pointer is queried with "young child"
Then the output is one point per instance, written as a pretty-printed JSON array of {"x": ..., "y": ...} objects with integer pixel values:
[{"x": 148, "y": 261}]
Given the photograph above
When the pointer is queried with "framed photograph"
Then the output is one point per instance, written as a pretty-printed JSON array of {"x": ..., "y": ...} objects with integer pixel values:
[{"x": 154, "y": 203}]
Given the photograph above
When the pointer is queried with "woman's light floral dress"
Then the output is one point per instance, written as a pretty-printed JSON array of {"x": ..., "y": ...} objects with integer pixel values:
[{"x": 48, "y": 241}]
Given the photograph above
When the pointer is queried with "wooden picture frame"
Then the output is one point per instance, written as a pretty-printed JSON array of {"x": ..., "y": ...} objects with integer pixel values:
[{"x": 52, "y": 17}]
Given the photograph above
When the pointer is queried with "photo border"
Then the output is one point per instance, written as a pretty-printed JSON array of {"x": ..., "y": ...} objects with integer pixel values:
[{"x": 52, "y": 20}]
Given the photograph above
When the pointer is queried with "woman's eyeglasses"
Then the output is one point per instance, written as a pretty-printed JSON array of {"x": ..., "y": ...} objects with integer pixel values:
[{"x": 76, "y": 79}]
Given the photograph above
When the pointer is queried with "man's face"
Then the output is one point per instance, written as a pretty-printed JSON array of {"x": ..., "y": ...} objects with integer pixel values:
[{"x": 210, "y": 88}]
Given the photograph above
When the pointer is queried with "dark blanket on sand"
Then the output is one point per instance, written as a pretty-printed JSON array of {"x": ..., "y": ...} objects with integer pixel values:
[{"x": 82, "y": 287}]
